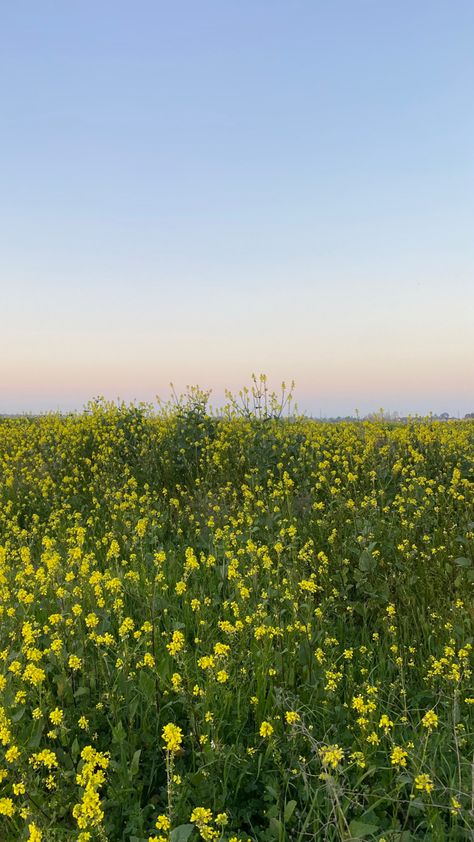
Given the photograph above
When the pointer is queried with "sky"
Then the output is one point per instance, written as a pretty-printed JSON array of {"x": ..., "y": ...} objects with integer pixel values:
[{"x": 195, "y": 191}]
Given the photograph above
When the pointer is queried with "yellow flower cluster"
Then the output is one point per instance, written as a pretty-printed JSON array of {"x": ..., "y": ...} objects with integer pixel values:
[
  {"x": 295, "y": 594},
  {"x": 172, "y": 737},
  {"x": 331, "y": 756}
]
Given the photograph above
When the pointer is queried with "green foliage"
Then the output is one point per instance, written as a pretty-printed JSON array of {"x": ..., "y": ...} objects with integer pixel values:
[{"x": 295, "y": 598}]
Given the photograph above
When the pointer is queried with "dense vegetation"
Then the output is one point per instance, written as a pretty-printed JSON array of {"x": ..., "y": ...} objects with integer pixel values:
[{"x": 235, "y": 628}]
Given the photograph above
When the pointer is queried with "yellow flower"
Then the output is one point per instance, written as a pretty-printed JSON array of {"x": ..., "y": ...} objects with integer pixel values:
[
  {"x": 424, "y": 783},
  {"x": 308, "y": 585},
  {"x": 35, "y": 675},
  {"x": 266, "y": 729},
  {"x": 7, "y": 807},
  {"x": 141, "y": 527},
  {"x": 331, "y": 755},
  {"x": 206, "y": 662},
  {"x": 148, "y": 660},
  {"x": 56, "y": 716},
  {"x": 398, "y": 757},
  {"x": 19, "y": 789},
  {"x": 92, "y": 621},
  {"x": 172, "y": 737},
  {"x": 385, "y": 723},
  {"x": 430, "y": 720},
  {"x": 176, "y": 644},
  {"x": 292, "y": 717},
  {"x": 201, "y": 816},
  {"x": 209, "y": 834},
  {"x": 12, "y": 754},
  {"x": 162, "y": 822},
  {"x": 46, "y": 758},
  {"x": 222, "y": 676},
  {"x": 176, "y": 682},
  {"x": 358, "y": 758},
  {"x": 74, "y": 662},
  {"x": 221, "y": 649},
  {"x": 126, "y": 627}
]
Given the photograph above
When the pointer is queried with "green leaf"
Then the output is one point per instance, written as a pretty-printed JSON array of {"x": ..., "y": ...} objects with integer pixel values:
[
  {"x": 367, "y": 562},
  {"x": 15, "y": 717},
  {"x": 62, "y": 685},
  {"x": 36, "y": 735},
  {"x": 135, "y": 763},
  {"x": 289, "y": 810},
  {"x": 462, "y": 561},
  {"x": 146, "y": 683},
  {"x": 118, "y": 733},
  {"x": 132, "y": 708},
  {"x": 196, "y": 778},
  {"x": 276, "y": 828},
  {"x": 360, "y": 830},
  {"x": 181, "y": 833},
  {"x": 272, "y": 791}
]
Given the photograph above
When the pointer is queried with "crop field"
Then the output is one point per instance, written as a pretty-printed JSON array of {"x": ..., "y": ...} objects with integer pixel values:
[{"x": 235, "y": 628}]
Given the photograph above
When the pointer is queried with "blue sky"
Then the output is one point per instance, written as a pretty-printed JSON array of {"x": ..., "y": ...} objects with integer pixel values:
[{"x": 195, "y": 191}]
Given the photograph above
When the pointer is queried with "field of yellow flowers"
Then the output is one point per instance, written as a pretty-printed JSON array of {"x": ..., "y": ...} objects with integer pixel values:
[{"x": 235, "y": 628}]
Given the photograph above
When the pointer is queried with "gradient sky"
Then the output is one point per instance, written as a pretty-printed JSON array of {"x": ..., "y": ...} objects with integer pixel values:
[{"x": 193, "y": 191}]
